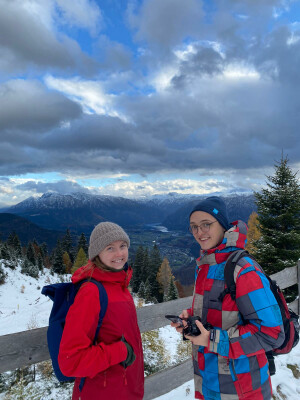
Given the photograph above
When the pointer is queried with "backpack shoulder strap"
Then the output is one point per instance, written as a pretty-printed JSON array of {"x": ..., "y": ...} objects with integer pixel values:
[
  {"x": 103, "y": 307},
  {"x": 103, "y": 302},
  {"x": 231, "y": 262}
]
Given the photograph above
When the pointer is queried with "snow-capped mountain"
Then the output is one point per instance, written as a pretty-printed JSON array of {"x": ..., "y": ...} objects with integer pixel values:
[{"x": 82, "y": 211}]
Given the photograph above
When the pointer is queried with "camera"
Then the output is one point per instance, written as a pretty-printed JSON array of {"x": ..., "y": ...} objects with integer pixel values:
[{"x": 191, "y": 327}]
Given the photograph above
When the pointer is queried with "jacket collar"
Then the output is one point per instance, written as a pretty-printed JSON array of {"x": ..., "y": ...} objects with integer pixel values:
[
  {"x": 235, "y": 238},
  {"x": 90, "y": 270}
]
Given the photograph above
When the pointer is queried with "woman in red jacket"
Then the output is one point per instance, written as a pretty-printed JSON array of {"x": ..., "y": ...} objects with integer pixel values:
[{"x": 113, "y": 367}]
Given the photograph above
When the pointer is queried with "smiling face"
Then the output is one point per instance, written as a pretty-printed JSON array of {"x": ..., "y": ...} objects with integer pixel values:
[
  {"x": 214, "y": 236},
  {"x": 115, "y": 255}
]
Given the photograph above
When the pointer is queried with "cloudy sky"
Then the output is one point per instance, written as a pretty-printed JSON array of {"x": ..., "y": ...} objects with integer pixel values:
[{"x": 141, "y": 97}]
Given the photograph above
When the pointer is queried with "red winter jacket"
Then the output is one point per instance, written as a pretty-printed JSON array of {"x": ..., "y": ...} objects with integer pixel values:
[{"x": 101, "y": 363}]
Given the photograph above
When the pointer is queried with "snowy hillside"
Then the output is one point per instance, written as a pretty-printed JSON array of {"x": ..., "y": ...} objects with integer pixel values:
[{"x": 23, "y": 307}]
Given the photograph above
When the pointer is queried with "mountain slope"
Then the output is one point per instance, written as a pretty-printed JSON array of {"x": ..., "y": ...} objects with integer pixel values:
[
  {"x": 82, "y": 212},
  {"x": 26, "y": 230},
  {"x": 238, "y": 207}
]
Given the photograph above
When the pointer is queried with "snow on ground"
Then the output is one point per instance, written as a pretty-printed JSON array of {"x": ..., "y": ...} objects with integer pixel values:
[
  {"x": 185, "y": 391},
  {"x": 171, "y": 338},
  {"x": 22, "y": 306}
]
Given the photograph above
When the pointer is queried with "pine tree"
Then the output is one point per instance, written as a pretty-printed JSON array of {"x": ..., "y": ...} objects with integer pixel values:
[
  {"x": 146, "y": 266},
  {"x": 44, "y": 250},
  {"x": 5, "y": 253},
  {"x": 172, "y": 290},
  {"x": 29, "y": 269},
  {"x": 10, "y": 239},
  {"x": 80, "y": 260},
  {"x": 141, "y": 291},
  {"x": 4, "y": 384},
  {"x": 40, "y": 262},
  {"x": 163, "y": 277},
  {"x": 147, "y": 292},
  {"x": 82, "y": 244},
  {"x": 17, "y": 246},
  {"x": 137, "y": 269},
  {"x": 278, "y": 209},
  {"x": 66, "y": 244},
  {"x": 2, "y": 277},
  {"x": 253, "y": 233},
  {"x": 30, "y": 253},
  {"x": 58, "y": 265},
  {"x": 154, "y": 265}
]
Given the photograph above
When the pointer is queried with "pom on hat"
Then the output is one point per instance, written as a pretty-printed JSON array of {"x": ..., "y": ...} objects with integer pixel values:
[
  {"x": 104, "y": 234},
  {"x": 216, "y": 207}
]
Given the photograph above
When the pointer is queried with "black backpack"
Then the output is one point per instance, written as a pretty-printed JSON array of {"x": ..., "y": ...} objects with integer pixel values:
[{"x": 290, "y": 318}]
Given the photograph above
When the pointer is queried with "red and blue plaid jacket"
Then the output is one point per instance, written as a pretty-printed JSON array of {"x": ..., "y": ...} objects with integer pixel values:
[{"x": 234, "y": 365}]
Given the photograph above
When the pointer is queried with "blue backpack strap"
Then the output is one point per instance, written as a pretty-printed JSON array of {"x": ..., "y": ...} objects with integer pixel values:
[{"x": 103, "y": 307}]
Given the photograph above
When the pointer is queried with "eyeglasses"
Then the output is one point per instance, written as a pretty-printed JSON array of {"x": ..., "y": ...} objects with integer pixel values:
[{"x": 204, "y": 227}]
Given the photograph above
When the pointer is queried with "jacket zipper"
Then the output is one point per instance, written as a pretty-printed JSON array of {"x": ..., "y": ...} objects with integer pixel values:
[{"x": 125, "y": 378}]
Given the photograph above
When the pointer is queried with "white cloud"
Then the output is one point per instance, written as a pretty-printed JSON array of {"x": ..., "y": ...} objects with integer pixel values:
[
  {"x": 82, "y": 13},
  {"x": 185, "y": 51},
  {"x": 293, "y": 39},
  {"x": 162, "y": 79},
  {"x": 89, "y": 94},
  {"x": 9, "y": 195},
  {"x": 146, "y": 188},
  {"x": 240, "y": 71},
  {"x": 42, "y": 10}
]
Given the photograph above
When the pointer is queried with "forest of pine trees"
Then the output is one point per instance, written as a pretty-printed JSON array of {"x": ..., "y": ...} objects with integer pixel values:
[
  {"x": 33, "y": 257},
  {"x": 152, "y": 277}
]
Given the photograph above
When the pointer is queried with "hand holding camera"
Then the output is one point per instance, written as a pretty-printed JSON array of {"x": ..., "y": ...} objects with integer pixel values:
[
  {"x": 192, "y": 328},
  {"x": 177, "y": 321}
]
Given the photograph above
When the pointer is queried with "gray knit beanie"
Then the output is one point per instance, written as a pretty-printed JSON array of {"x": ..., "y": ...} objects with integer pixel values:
[{"x": 104, "y": 234}]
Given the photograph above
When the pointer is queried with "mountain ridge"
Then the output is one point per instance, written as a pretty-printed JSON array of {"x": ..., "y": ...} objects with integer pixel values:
[{"x": 80, "y": 212}]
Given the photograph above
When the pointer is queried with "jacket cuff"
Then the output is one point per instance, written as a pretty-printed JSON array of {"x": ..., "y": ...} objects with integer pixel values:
[
  {"x": 117, "y": 352},
  {"x": 213, "y": 341},
  {"x": 218, "y": 343}
]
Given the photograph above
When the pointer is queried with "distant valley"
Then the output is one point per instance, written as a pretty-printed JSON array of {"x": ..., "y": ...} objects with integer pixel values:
[{"x": 46, "y": 218}]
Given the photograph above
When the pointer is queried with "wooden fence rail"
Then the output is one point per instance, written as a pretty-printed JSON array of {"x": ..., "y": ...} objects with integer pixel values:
[{"x": 30, "y": 347}]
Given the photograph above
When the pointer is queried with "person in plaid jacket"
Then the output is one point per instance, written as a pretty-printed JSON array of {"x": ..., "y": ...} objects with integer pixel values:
[{"x": 229, "y": 360}]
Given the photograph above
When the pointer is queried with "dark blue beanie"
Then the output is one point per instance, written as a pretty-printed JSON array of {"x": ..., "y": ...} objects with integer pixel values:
[{"x": 216, "y": 207}]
